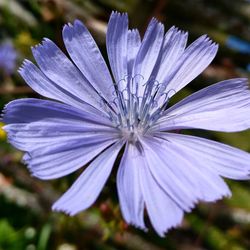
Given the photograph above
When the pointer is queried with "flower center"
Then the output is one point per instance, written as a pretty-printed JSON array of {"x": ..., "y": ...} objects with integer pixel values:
[{"x": 139, "y": 105}]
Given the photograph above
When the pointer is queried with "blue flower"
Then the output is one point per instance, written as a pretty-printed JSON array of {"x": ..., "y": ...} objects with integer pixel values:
[
  {"x": 8, "y": 57},
  {"x": 99, "y": 114}
]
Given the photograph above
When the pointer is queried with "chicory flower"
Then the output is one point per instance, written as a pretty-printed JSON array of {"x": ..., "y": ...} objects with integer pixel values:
[
  {"x": 95, "y": 114},
  {"x": 8, "y": 57}
]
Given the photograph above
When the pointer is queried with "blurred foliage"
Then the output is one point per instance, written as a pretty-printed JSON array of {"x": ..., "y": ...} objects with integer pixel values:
[{"x": 26, "y": 220}]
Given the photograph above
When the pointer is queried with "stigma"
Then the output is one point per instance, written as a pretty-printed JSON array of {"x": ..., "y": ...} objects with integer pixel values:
[{"x": 138, "y": 105}]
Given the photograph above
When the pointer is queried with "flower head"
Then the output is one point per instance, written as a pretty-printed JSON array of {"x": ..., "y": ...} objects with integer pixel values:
[
  {"x": 98, "y": 114},
  {"x": 8, "y": 57}
]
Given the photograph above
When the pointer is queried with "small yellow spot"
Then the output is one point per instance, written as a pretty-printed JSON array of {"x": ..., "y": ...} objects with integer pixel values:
[
  {"x": 2, "y": 132},
  {"x": 24, "y": 41}
]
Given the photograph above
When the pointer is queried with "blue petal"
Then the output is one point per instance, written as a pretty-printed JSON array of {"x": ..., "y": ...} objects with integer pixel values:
[
  {"x": 148, "y": 54},
  {"x": 45, "y": 87},
  {"x": 60, "y": 70},
  {"x": 116, "y": 42},
  {"x": 168, "y": 175},
  {"x": 217, "y": 157},
  {"x": 129, "y": 188},
  {"x": 186, "y": 179},
  {"x": 134, "y": 43},
  {"x": 53, "y": 161},
  {"x": 173, "y": 47},
  {"x": 88, "y": 186},
  {"x": 58, "y": 138},
  {"x": 190, "y": 64},
  {"x": 163, "y": 212},
  {"x": 87, "y": 57},
  {"x": 224, "y": 106},
  {"x": 30, "y": 110}
]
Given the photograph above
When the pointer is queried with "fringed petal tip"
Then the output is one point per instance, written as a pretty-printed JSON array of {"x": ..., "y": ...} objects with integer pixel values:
[
  {"x": 207, "y": 42},
  {"x": 219, "y": 197},
  {"x": 118, "y": 14},
  {"x": 140, "y": 227},
  {"x": 3, "y": 112},
  {"x": 177, "y": 31},
  {"x": 45, "y": 45},
  {"x": 58, "y": 209},
  {"x": 24, "y": 64},
  {"x": 155, "y": 21},
  {"x": 26, "y": 159},
  {"x": 162, "y": 233}
]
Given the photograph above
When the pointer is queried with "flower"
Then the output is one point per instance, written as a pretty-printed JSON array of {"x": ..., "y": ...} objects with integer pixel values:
[
  {"x": 98, "y": 115},
  {"x": 8, "y": 57}
]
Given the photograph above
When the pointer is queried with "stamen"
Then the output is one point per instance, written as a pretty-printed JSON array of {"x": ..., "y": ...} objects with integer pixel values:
[{"x": 136, "y": 114}]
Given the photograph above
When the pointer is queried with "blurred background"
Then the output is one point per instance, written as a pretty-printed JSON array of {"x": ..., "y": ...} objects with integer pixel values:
[{"x": 26, "y": 219}]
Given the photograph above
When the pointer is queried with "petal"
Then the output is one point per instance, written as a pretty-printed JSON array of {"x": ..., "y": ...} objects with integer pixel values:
[
  {"x": 209, "y": 109},
  {"x": 202, "y": 183},
  {"x": 173, "y": 47},
  {"x": 184, "y": 173},
  {"x": 88, "y": 186},
  {"x": 129, "y": 189},
  {"x": 59, "y": 69},
  {"x": 148, "y": 54},
  {"x": 57, "y": 160},
  {"x": 134, "y": 43},
  {"x": 87, "y": 57},
  {"x": 163, "y": 212},
  {"x": 58, "y": 138},
  {"x": 28, "y": 137},
  {"x": 47, "y": 88},
  {"x": 116, "y": 42},
  {"x": 192, "y": 62},
  {"x": 31, "y": 110},
  {"x": 220, "y": 158},
  {"x": 168, "y": 176}
]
